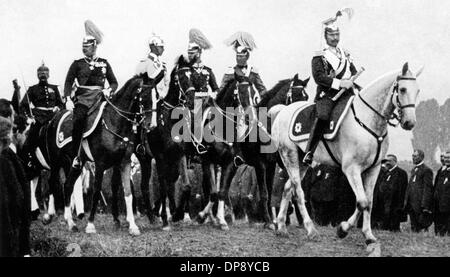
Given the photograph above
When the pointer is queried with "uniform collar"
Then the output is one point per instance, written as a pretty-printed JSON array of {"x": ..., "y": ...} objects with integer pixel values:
[
  {"x": 197, "y": 65},
  {"x": 419, "y": 164},
  {"x": 153, "y": 56}
]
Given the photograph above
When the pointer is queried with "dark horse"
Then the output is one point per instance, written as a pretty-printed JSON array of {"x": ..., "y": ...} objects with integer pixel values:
[
  {"x": 253, "y": 129},
  {"x": 111, "y": 144}
]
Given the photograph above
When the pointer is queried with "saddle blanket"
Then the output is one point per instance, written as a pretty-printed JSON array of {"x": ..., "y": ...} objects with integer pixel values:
[
  {"x": 65, "y": 125},
  {"x": 303, "y": 119}
]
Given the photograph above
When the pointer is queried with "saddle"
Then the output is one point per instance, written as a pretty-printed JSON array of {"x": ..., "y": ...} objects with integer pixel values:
[
  {"x": 303, "y": 118},
  {"x": 64, "y": 129}
]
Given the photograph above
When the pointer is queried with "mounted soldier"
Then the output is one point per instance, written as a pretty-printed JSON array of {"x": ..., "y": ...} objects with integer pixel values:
[
  {"x": 203, "y": 81},
  {"x": 243, "y": 43},
  {"x": 332, "y": 69},
  {"x": 85, "y": 84},
  {"x": 40, "y": 104}
]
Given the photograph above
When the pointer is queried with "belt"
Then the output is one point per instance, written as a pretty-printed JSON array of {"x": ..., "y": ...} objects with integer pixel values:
[
  {"x": 91, "y": 87},
  {"x": 44, "y": 108},
  {"x": 201, "y": 94}
]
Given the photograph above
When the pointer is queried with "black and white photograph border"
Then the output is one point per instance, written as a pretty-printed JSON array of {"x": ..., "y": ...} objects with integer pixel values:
[{"x": 232, "y": 129}]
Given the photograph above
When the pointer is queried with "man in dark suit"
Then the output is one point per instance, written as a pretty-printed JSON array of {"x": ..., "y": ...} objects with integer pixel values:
[
  {"x": 419, "y": 194},
  {"x": 391, "y": 193},
  {"x": 16, "y": 199},
  {"x": 441, "y": 198}
]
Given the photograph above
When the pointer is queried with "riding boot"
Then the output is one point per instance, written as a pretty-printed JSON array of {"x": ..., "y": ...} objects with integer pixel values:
[
  {"x": 314, "y": 138},
  {"x": 79, "y": 123}
]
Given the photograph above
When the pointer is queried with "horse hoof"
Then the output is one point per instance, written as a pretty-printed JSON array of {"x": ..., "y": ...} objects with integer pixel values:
[
  {"x": 269, "y": 226},
  {"x": 90, "y": 229},
  {"x": 340, "y": 232},
  {"x": 74, "y": 229},
  {"x": 282, "y": 233},
  {"x": 313, "y": 234},
  {"x": 47, "y": 219},
  {"x": 117, "y": 224},
  {"x": 134, "y": 232},
  {"x": 200, "y": 219},
  {"x": 224, "y": 227},
  {"x": 370, "y": 241},
  {"x": 373, "y": 249},
  {"x": 166, "y": 228}
]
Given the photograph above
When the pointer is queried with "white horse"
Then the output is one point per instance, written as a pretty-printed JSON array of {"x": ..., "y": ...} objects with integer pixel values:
[{"x": 358, "y": 147}]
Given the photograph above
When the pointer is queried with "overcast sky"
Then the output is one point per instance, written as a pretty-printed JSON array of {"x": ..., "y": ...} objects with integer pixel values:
[{"x": 381, "y": 36}]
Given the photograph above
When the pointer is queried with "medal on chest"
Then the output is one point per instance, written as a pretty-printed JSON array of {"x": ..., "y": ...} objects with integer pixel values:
[
  {"x": 446, "y": 180},
  {"x": 414, "y": 178}
]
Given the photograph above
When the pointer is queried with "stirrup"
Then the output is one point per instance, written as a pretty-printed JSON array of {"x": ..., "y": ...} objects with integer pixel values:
[
  {"x": 76, "y": 163},
  {"x": 201, "y": 149},
  {"x": 308, "y": 158},
  {"x": 238, "y": 160}
]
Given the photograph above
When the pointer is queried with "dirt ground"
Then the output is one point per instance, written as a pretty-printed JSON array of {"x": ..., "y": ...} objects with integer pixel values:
[{"x": 242, "y": 240}]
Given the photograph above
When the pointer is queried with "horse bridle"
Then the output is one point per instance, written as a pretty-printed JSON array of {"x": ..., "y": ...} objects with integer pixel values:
[
  {"x": 181, "y": 91},
  {"x": 289, "y": 93},
  {"x": 395, "y": 102}
]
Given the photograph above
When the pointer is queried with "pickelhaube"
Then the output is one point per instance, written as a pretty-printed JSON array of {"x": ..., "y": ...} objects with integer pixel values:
[
  {"x": 155, "y": 40},
  {"x": 43, "y": 68}
]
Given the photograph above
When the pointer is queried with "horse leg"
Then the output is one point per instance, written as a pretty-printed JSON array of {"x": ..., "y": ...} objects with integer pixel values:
[
  {"x": 260, "y": 170},
  {"x": 146, "y": 172},
  {"x": 370, "y": 179},
  {"x": 115, "y": 184},
  {"x": 208, "y": 178},
  {"x": 90, "y": 227},
  {"x": 162, "y": 169},
  {"x": 296, "y": 172},
  {"x": 270, "y": 174},
  {"x": 225, "y": 183},
  {"x": 68, "y": 190},
  {"x": 353, "y": 175},
  {"x": 125, "y": 170},
  {"x": 50, "y": 208},
  {"x": 285, "y": 199},
  {"x": 185, "y": 191}
]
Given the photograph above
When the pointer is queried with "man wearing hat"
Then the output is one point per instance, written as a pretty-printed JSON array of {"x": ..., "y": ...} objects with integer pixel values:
[
  {"x": 86, "y": 78},
  {"x": 203, "y": 80},
  {"x": 331, "y": 68},
  {"x": 40, "y": 103},
  {"x": 152, "y": 69},
  {"x": 243, "y": 43},
  {"x": 442, "y": 198}
]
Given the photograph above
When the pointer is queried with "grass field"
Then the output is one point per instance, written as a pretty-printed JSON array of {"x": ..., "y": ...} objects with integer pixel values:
[{"x": 191, "y": 239}]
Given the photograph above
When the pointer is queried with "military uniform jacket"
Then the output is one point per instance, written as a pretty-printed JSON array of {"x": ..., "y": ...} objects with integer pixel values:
[
  {"x": 154, "y": 73},
  {"x": 43, "y": 97},
  {"x": 202, "y": 77},
  {"x": 391, "y": 190},
  {"x": 328, "y": 68},
  {"x": 91, "y": 74},
  {"x": 419, "y": 194},
  {"x": 442, "y": 191},
  {"x": 247, "y": 71}
]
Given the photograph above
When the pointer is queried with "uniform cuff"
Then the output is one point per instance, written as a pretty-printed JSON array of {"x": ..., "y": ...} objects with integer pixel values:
[{"x": 336, "y": 84}]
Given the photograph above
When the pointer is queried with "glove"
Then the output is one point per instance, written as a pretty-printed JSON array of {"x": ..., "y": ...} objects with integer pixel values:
[
  {"x": 31, "y": 120},
  {"x": 69, "y": 105},
  {"x": 56, "y": 109}
]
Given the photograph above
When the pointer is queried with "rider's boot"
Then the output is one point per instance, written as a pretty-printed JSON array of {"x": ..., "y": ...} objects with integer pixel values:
[{"x": 314, "y": 138}]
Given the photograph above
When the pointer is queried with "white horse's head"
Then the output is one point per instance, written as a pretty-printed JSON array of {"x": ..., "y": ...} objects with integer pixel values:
[{"x": 405, "y": 96}]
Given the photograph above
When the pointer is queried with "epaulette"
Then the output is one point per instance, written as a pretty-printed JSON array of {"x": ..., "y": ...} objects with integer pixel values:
[
  {"x": 229, "y": 70},
  {"x": 254, "y": 70},
  {"x": 319, "y": 53}
]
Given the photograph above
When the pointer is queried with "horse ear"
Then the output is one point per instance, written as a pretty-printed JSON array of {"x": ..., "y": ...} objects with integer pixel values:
[
  {"x": 405, "y": 69},
  {"x": 420, "y": 71},
  {"x": 296, "y": 77},
  {"x": 306, "y": 81}
]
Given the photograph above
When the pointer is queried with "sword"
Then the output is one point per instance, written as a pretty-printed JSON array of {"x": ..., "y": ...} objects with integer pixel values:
[
  {"x": 26, "y": 94},
  {"x": 353, "y": 78}
]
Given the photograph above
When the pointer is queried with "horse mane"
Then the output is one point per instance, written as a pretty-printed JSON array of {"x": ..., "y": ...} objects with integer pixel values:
[
  {"x": 130, "y": 85},
  {"x": 278, "y": 86},
  {"x": 382, "y": 83},
  {"x": 221, "y": 96}
]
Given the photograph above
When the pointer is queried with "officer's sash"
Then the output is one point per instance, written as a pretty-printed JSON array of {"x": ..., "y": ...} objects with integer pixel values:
[{"x": 340, "y": 66}]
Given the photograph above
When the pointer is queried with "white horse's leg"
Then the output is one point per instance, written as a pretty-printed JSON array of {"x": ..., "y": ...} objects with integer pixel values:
[
  {"x": 33, "y": 186},
  {"x": 307, "y": 222},
  {"x": 353, "y": 175},
  {"x": 125, "y": 170},
  {"x": 285, "y": 199},
  {"x": 369, "y": 180}
]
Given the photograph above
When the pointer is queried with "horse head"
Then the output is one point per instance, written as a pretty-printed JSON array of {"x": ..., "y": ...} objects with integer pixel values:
[
  {"x": 404, "y": 96},
  {"x": 297, "y": 90},
  {"x": 180, "y": 82}
]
